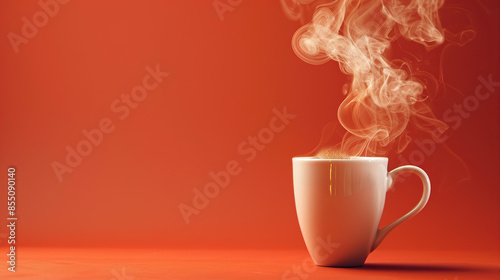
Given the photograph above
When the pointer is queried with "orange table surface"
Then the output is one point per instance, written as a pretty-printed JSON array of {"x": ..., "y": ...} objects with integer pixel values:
[{"x": 135, "y": 264}]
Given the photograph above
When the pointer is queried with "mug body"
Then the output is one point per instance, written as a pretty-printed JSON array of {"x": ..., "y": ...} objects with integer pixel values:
[{"x": 339, "y": 204}]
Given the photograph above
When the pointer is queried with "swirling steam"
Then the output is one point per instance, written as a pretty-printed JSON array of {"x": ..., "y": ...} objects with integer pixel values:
[{"x": 383, "y": 97}]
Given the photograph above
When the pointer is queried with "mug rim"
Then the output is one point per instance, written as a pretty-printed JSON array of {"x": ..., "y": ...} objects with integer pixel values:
[{"x": 310, "y": 158}]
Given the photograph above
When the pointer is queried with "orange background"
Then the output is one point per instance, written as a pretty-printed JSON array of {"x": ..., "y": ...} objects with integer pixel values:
[{"x": 225, "y": 79}]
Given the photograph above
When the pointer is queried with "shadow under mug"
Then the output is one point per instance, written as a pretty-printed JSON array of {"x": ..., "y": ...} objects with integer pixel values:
[{"x": 339, "y": 204}]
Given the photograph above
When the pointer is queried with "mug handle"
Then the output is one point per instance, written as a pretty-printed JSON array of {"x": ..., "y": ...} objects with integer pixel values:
[{"x": 382, "y": 233}]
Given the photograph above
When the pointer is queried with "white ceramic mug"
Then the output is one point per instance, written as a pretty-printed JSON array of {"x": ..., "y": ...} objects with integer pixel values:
[{"x": 339, "y": 204}]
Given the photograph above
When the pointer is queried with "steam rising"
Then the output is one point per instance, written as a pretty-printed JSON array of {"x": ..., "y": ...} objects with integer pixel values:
[{"x": 383, "y": 97}]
